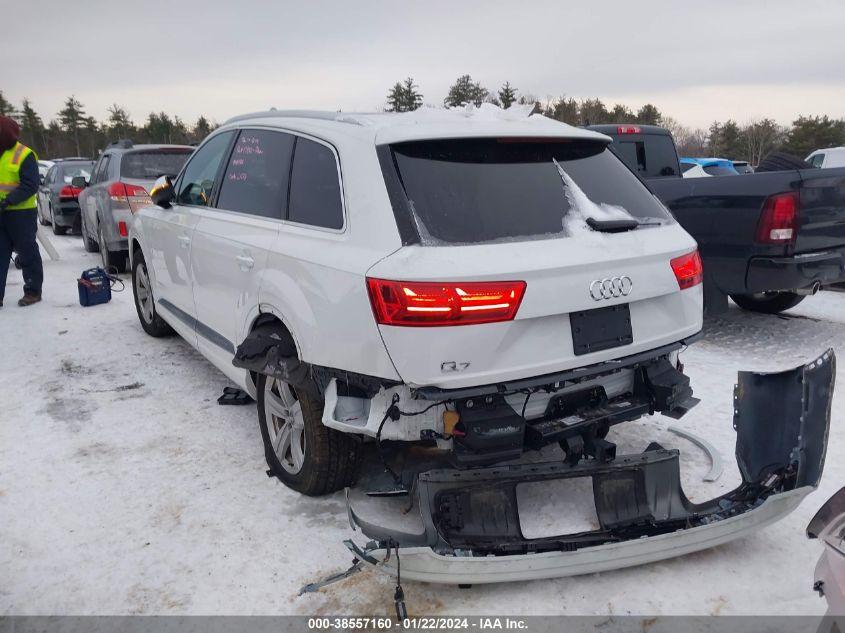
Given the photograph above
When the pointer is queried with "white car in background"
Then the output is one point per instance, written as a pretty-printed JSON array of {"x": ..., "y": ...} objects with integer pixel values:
[{"x": 830, "y": 157}]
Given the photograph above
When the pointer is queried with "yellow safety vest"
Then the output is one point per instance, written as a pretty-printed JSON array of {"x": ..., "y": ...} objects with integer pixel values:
[{"x": 10, "y": 174}]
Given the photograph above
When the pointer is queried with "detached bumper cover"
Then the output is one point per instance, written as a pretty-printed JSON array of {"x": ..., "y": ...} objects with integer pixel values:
[{"x": 471, "y": 522}]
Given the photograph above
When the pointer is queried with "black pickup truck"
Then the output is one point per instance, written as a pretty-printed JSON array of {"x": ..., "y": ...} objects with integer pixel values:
[{"x": 767, "y": 239}]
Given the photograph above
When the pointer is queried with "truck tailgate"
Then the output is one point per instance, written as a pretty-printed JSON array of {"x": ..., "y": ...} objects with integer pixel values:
[{"x": 822, "y": 215}]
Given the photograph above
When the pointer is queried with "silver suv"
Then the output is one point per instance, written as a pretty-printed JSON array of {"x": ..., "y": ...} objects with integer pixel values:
[{"x": 118, "y": 187}]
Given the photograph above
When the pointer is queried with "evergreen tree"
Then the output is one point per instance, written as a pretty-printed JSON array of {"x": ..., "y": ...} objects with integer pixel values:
[
  {"x": 563, "y": 109},
  {"x": 6, "y": 107},
  {"x": 714, "y": 139},
  {"x": 72, "y": 119},
  {"x": 119, "y": 124},
  {"x": 648, "y": 115},
  {"x": 32, "y": 129},
  {"x": 403, "y": 97},
  {"x": 202, "y": 128},
  {"x": 507, "y": 95},
  {"x": 731, "y": 142},
  {"x": 809, "y": 133},
  {"x": 94, "y": 136},
  {"x": 465, "y": 91},
  {"x": 621, "y": 114},
  {"x": 593, "y": 112}
]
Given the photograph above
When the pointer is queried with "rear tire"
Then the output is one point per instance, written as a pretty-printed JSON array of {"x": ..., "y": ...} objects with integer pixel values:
[
  {"x": 112, "y": 260},
  {"x": 768, "y": 302},
  {"x": 89, "y": 244},
  {"x": 57, "y": 230},
  {"x": 145, "y": 306},
  {"x": 300, "y": 450}
]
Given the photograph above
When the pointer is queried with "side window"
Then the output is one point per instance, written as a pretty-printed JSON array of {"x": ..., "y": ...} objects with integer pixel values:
[
  {"x": 817, "y": 160},
  {"x": 315, "y": 186},
  {"x": 256, "y": 177},
  {"x": 50, "y": 178},
  {"x": 102, "y": 173},
  {"x": 197, "y": 181}
]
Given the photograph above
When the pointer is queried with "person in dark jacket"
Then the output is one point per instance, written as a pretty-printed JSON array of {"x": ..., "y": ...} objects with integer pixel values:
[{"x": 19, "y": 182}]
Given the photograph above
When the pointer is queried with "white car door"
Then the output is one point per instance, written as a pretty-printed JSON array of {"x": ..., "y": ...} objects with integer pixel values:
[
  {"x": 168, "y": 246},
  {"x": 231, "y": 242}
]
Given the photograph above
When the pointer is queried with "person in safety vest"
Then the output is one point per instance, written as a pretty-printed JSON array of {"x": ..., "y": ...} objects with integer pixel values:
[{"x": 19, "y": 182}]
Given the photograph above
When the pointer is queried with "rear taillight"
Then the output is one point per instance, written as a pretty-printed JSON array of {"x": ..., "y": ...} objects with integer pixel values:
[
  {"x": 627, "y": 129},
  {"x": 414, "y": 303},
  {"x": 688, "y": 270},
  {"x": 69, "y": 193},
  {"x": 779, "y": 219},
  {"x": 121, "y": 227},
  {"x": 134, "y": 196}
]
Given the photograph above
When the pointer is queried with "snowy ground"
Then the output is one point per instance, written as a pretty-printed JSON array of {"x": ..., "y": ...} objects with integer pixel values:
[{"x": 125, "y": 488}]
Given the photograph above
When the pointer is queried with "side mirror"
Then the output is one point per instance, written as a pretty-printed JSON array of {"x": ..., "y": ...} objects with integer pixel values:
[
  {"x": 79, "y": 182},
  {"x": 162, "y": 193}
]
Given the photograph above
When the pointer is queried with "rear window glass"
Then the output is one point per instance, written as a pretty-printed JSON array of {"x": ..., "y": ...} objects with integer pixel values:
[
  {"x": 481, "y": 190},
  {"x": 685, "y": 167},
  {"x": 720, "y": 170},
  {"x": 151, "y": 165},
  {"x": 71, "y": 171},
  {"x": 650, "y": 155}
]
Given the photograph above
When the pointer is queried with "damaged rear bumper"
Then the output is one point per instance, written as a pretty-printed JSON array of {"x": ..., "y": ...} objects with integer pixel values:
[{"x": 471, "y": 520}]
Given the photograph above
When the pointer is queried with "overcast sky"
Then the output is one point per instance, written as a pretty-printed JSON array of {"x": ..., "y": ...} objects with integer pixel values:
[{"x": 696, "y": 60}]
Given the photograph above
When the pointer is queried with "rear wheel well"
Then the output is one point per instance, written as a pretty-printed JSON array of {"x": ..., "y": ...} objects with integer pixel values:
[{"x": 265, "y": 319}]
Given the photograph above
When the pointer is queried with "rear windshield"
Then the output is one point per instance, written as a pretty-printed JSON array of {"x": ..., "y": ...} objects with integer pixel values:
[
  {"x": 151, "y": 165},
  {"x": 482, "y": 190},
  {"x": 650, "y": 155},
  {"x": 73, "y": 170},
  {"x": 720, "y": 170}
]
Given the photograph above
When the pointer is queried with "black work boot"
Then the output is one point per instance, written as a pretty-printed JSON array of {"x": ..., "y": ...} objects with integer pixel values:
[{"x": 28, "y": 299}]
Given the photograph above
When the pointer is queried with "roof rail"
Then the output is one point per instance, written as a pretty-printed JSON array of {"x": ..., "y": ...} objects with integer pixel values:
[
  {"x": 298, "y": 114},
  {"x": 124, "y": 143}
]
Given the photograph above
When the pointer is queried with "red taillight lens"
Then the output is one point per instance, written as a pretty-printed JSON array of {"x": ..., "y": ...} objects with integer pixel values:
[
  {"x": 133, "y": 195},
  {"x": 430, "y": 303},
  {"x": 69, "y": 193},
  {"x": 688, "y": 270},
  {"x": 779, "y": 219},
  {"x": 121, "y": 226},
  {"x": 627, "y": 129}
]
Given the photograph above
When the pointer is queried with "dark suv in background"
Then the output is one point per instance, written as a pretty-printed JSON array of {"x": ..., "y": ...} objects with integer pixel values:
[
  {"x": 57, "y": 197},
  {"x": 118, "y": 187}
]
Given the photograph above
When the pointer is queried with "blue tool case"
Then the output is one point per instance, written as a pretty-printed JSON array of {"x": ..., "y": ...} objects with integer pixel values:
[{"x": 94, "y": 287}]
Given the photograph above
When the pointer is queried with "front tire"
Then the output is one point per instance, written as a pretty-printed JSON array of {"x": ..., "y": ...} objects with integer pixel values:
[
  {"x": 768, "y": 302},
  {"x": 301, "y": 451},
  {"x": 142, "y": 289}
]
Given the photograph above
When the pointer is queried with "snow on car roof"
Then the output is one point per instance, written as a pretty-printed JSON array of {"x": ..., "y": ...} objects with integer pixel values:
[{"x": 488, "y": 120}]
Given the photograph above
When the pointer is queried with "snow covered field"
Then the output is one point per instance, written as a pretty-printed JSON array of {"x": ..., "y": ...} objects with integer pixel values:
[{"x": 126, "y": 489}]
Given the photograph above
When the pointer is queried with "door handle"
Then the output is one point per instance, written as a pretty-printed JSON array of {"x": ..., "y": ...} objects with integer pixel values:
[
  {"x": 184, "y": 241},
  {"x": 245, "y": 262}
]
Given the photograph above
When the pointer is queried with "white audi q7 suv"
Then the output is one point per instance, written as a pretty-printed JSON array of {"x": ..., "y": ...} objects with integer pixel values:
[{"x": 476, "y": 283}]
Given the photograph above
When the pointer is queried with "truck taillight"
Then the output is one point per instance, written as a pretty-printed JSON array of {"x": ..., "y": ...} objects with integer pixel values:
[
  {"x": 779, "y": 220},
  {"x": 134, "y": 196},
  {"x": 414, "y": 303},
  {"x": 627, "y": 129},
  {"x": 688, "y": 270},
  {"x": 69, "y": 193}
]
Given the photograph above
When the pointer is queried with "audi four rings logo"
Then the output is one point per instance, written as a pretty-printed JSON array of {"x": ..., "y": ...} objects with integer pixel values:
[{"x": 611, "y": 287}]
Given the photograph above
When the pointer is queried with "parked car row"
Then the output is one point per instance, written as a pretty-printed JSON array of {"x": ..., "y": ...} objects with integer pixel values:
[{"x": 98, "y": 198}]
